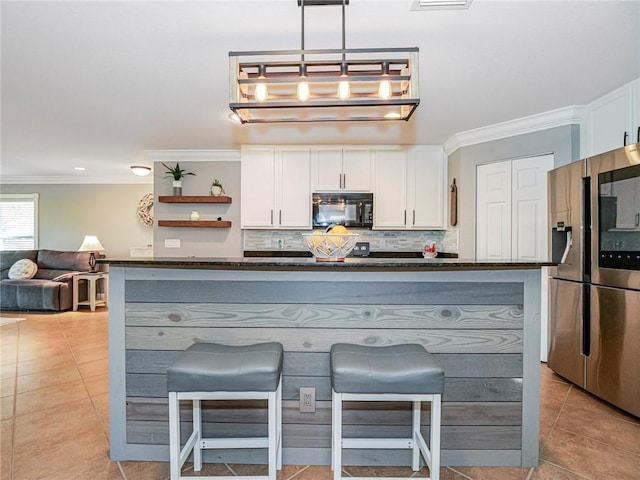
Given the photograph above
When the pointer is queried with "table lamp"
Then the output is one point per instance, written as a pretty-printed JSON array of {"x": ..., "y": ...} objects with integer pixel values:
[{"x": 91, "y": 244}]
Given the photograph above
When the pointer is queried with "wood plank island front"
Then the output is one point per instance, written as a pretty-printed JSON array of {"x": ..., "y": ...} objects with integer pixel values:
[{"x": 481, "y": 320}]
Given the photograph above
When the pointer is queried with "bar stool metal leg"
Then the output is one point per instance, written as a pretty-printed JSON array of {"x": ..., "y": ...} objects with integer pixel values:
[
  {"x": 415, "y": 434},
  {"x": 197, "y": 430},
  {"x": 174, "y": 435},
  {"x": 436, "y": 412},
  {"x": 336, "y": 444}
]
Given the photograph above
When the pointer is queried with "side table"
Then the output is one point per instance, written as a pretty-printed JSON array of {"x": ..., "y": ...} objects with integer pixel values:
[{"x": 92, "y": 282}]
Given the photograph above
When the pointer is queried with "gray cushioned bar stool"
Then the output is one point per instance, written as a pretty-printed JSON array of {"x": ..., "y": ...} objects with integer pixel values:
[
  {"x": 210, "y": 371},
  {"x": 392, "y": 374}
]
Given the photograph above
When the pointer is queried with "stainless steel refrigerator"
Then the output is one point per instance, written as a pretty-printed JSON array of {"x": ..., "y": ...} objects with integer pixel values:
[{"x": 594, "y": 300}]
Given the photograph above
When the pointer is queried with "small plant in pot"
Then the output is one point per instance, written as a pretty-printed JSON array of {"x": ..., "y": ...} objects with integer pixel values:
[
  {"x": 177, "y": 174},
  {"x": 217, "y": 188}
]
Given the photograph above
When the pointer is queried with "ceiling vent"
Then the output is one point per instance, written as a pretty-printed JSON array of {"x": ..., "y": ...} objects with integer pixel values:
[{"x": 421, "y": 5}]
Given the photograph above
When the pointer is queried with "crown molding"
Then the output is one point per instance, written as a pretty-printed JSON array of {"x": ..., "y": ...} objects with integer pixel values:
[
  {"x": 76, "y": 180},
  {"x": 194, "y": 155},
  {"x": 533, "y": 123}
]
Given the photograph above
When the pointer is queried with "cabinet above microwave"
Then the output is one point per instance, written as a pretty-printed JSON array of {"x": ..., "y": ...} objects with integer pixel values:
[{"x": 342, "y": 168}]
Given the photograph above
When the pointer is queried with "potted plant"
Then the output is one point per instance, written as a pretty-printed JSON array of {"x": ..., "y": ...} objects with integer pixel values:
[
  {"x": 177, "y": 174},
  {"x": 217, "y": 188}
]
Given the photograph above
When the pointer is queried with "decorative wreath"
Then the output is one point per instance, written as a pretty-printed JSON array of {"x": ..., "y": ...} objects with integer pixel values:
[{"x": 145, "y": 210}]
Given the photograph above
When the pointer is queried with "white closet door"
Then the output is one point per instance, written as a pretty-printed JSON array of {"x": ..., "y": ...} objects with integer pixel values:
[
  {"x": 529, "y": 207},
  {"x": 493, "y": 211}
]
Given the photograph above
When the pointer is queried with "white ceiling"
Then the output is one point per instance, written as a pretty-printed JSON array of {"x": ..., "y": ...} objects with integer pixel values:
[{"x": 97, "y": 83}]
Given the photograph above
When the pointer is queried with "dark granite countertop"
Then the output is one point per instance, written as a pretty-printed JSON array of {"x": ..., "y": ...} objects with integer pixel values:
[
  {"x": 374, "y": 254},
  {"x": 301, "y": 263}
]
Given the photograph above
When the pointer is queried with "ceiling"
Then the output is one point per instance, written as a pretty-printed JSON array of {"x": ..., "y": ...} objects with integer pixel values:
[{"x": 96, "y": 83}]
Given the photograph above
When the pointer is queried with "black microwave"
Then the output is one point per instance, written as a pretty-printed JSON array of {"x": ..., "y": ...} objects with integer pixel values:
[{"x": 348, "y": 209}]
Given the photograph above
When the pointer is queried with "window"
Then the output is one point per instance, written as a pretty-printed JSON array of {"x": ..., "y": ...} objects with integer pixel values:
[{"x": 18, "y": 221}]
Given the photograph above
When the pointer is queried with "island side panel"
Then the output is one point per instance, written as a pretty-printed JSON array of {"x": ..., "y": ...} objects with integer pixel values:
[{"x": 473, "y": 323}]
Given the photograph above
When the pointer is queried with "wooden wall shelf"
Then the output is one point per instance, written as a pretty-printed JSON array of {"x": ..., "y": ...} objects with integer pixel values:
[
  {"x": 195, "y": 223},
  {"x": 195, "y": 199}
]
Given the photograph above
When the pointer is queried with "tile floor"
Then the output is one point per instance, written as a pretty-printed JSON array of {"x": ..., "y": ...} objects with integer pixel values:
[{"x": 54, "y": 417}]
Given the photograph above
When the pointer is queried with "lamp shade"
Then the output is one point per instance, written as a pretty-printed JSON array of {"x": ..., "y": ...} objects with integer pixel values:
[{"x": 91, "y": 244}]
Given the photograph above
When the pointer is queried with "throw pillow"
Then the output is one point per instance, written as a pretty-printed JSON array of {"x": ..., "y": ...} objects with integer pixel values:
[{"x": 23, "y": 270}]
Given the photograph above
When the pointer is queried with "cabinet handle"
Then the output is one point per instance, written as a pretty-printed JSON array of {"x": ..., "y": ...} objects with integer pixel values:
[
  {"x": 414, "y": 218},
  {"x": 405, "y": 217},
  {"x": 624, "y": 139},
  {"x": 271, "y": 216},
  {"x": 638, "y": 136},
  {"x": 344, "y": 180},
  {"x": 340, "y": 180},
  {"x": 637, "y": 219},
  {"x": 279, "y": 217}
]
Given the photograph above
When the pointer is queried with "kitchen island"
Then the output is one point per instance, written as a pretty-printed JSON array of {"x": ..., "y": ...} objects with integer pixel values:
[{"x": 480, "y": 319}]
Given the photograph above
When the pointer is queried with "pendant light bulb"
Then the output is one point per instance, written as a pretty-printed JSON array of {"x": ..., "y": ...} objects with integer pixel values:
[
  {"x": 304, "y": 92},
  {"x": 344, "y": 89},
  {"x": 384, "y": 89},
  {"x": 261, "y": 91}
]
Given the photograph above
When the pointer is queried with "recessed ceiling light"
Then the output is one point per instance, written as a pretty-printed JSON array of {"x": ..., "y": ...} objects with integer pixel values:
[
  {"x": 233, "y": 116},
  {"x": 392, "y": 115},
  {"x": 80, "y": 169},
  {"x": 439, "y": 4}
]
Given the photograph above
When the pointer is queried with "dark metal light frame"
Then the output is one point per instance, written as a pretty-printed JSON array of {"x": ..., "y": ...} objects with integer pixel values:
[{"x": 322, "y": 69}]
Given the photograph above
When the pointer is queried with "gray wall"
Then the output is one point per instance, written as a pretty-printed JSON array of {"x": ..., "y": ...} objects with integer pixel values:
[
  {"x": 563, "y": 142},
  {"x": 199, "y": 242},
  {"x": 66, "y": 213}
]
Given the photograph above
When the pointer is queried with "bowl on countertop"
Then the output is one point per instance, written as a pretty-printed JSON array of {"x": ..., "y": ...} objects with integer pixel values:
[
  {"x": 429, "y": 254},
  {"x": 330, "y": 247}
]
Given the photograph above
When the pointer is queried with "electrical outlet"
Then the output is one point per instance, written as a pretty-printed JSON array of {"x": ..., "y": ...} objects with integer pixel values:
[
  {"x": 172, "y": 243},
  {"x": 307, "y": 399}
]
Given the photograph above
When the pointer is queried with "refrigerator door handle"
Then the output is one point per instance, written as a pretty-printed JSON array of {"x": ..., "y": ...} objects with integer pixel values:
[
  {"x": 586, "y": 319},
  {"x": 567, "y": 246}
]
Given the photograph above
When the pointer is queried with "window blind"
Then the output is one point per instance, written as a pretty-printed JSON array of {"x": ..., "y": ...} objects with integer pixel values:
[{"x": 18, "y": 221}]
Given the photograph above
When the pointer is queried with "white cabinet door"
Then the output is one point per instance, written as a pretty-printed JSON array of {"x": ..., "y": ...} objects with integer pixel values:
[
  {"x": 612, "y": 121},
  {"x": 326, "y": 165},
  {"x": 493, "y": 211},
  {"x": 529, "y": 207},
  {"x": 341, "y": 168},
  {"x": 511, "y": 209},
  {"x": 357, "y": 169},
  {"x": 257, "y": 187},
  {"x": 426, "y": 205},
  {"x": 390, "y": 194},
  {"x": 293, "y": 187}
]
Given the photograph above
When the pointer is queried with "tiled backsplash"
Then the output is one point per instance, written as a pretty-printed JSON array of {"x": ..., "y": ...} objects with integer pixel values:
[{"x": 399, "y": 241}]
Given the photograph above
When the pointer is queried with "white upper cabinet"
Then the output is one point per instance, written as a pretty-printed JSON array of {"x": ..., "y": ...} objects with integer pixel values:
[
  {"x": 276, "y": 190},
  {"x": 612, "y": 121},
  {"x": 410, "y": 188},
  {"x": 341, "y": 168},
  {"x": 390, "y": 195},
  {"x": 293, "y": 187},
  {"x": 427, "y": 187},
  {"x": 257, "y": 191}
]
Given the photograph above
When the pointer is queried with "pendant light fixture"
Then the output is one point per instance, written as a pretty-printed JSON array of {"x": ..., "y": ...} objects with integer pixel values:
[{"x": 324, "y": 85}]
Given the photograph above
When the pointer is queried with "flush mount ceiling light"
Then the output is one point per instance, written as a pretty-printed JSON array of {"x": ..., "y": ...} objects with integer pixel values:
[
  {"x": 140, "y": 170},
  {"x": 440, "y": 4},
  {"x": 328, "y": 85}
]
